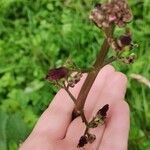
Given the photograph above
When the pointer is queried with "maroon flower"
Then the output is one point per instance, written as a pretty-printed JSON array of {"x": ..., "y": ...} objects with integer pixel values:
[
  {"x": 57, "y": 74},
  {"x": 83, "y": 141},
  {"x": 103, "y": 110},
  {"x": 125, "y": 40}
]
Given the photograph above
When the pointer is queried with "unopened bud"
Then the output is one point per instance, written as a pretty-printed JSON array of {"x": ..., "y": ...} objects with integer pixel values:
[
  {"x": 83, "y": 141},
  {"x": 130, "y": 59},
  {"x": 71, "y": 83},
  {"x": 124, "y": 40},
  {"x": 99, "y": 118},
  {"x": 103, "y": 111},
  {"x": 91, "y": 138}
]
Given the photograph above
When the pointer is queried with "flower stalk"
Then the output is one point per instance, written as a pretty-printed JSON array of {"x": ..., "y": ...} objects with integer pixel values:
[
  {"x": 92, "y": 75},
  {"x": 107, "y": 16}
]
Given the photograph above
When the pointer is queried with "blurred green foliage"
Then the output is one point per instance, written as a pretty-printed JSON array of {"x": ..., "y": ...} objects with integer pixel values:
[{"x": 36, "y": 35}]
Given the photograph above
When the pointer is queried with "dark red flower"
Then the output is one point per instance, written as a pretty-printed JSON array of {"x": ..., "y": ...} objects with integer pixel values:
[
  {"x": 57, "y": 74},
  {"x": 125, "y": 40},
  {"x": 103, "y": 110},
  {"x": 83, "y": 141}
]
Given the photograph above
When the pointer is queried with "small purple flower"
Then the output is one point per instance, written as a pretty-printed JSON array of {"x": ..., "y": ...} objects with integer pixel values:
[{"x": 57, "y": 74}]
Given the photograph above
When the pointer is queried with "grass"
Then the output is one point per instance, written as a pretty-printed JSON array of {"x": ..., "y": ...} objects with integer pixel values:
[{"x": 36, "y": 35}]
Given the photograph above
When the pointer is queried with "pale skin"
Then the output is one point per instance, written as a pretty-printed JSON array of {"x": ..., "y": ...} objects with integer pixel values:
[{"x": 55, "y": 130}]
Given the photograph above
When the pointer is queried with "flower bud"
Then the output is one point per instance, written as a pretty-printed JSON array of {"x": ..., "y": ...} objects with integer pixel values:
[
  {"x": 91, "y": 138},
  {"x": 71, "y": 83},
  {"x": 77, "y": 77},
  {"x": 99, "y": 118},
  {"x": 74, "y": 79},
  {"x": 124, "y": 40},
  {"x": 130, "y": 59},
  {"x": 83, "y": 141},
  {"x": 103, "y": 111}
]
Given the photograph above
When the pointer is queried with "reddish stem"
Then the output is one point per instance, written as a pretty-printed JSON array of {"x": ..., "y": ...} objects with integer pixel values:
[{"x": 93, "y": 74}]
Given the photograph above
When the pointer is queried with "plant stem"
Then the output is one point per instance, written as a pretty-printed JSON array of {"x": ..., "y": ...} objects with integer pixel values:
[
  {"x": 71, "y": 96},
  {"x": 83, "y": 117},
  {"x": 92, "y": 75},
  {"x": 109, "y": 60},
  {"x": 81, "y": 112},
  {"x": 86, "y": 130}
]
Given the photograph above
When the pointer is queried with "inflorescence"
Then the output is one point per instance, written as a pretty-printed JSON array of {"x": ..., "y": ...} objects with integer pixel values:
[{"x": 114, "y": 13}]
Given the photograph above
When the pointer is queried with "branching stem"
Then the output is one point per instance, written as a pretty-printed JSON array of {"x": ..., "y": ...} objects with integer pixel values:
[
  {"x": 81, "y": 112},
  {"x": 71, "y": 96}
]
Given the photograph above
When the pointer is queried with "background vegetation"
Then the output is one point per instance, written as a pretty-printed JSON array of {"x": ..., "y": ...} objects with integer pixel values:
[{"x": 38, "y": 34}]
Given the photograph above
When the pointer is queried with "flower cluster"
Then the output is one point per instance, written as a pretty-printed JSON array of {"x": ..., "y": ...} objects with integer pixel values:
[
  {"x": 123, "y": 47},
  {"x": 115, "y": 12}
]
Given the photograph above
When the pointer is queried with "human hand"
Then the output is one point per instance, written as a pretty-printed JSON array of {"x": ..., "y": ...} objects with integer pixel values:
[{"x": 56, "y": 131}]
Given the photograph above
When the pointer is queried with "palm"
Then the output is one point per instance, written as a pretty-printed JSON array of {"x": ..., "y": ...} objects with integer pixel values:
[{"x": 55, "y": 131}]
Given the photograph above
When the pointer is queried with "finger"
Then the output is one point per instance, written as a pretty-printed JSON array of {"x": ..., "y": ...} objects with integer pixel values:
[
  {"x": 76, "y": 128},
  {"x": 97, "y": 88},
  {"x": 74, "y": 133},
  {"x": 56, "y": 118},
  {"x": 117, "y": 128},
  {"x": 113, "y": 92},
  {"x": 107, "y": 95}
]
